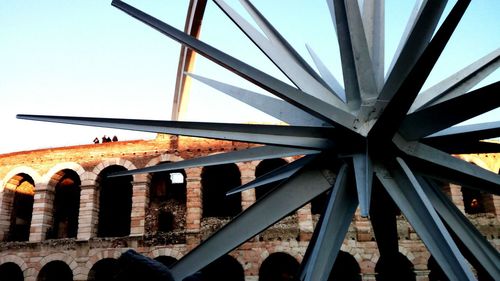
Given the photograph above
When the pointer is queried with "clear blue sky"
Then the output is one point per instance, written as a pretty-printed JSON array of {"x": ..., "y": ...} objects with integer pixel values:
[{"x": 86, "y": 58}]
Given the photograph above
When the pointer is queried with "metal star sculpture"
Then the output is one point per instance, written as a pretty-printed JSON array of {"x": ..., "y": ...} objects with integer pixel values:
[{"x": 377, "y": 133}]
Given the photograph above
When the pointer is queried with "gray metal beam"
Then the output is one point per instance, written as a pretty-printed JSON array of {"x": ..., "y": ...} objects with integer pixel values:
[
  {"x": 363, "y": 172},
  {"x": 373, "y": 23},
  {"x": 481, "y": 249},
  {"x": 280, "y": 52},
  {"x": 359, "y": 79},
  {"x": 281, "y": 201},
  {"x": 281, "y": 173},
  {"x": 192, "y": 27},
  {"x": 327, "y": 75},
  {"x": 438, "y": 164},
  {"x": 458, "y": 83},
  {"x": 274, "y": 107},
  {"x": 407, "y": 193},
  {"x": 336, "y": 220},
  {"x": 250, "y": 154},
  {"x": 479, "y": 131},
  {"x": 446, "y": 114},
  {"x": 414, "y": 46},
  {"x": 464, "y": 147},
  {"x": 303, "y": 137},
  {"x": 308, "y": 103},
  {"x": 403, "y": 96}
]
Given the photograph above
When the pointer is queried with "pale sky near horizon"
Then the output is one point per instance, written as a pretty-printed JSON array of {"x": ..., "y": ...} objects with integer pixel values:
[{"x": 87, "y": 58}]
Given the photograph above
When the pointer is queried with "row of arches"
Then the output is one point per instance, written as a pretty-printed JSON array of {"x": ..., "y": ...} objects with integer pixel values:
[
  {"x": 166, "y": 194},
  {"x": 278, "y": 266}
]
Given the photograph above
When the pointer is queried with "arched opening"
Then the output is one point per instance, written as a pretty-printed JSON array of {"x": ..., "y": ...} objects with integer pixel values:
[
  {"x": 22, "y": 207},
  {"x": 66, "y": 205},
  {"x": 168, "y": 261},
  {"x": 394, "y": 268},
  {"x": 11, "y": 272},
  {"x": 474, "y": 201},
  {"x": 215, "y": 182},
  {"x": 115, "y": 203},
  {"x": 167, "y": 205},
  {"x": 224, "y": 268},
  {"x": 55, "y": 271},
  {"x": 104, "y": 270},
  {"x": 264, "y": 167},
  {"x": 345, "y": 268},
  {"x": 279, "y": 267}
]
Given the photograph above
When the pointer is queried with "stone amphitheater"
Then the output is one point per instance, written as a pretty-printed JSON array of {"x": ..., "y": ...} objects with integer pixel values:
[{"x": 62, "y": 219}]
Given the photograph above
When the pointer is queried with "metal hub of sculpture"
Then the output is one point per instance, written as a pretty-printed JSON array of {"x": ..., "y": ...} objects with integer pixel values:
[{"x": 380, "y": 133}]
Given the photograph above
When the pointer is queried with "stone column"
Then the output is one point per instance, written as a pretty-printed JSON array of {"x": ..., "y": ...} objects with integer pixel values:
[
  {"x": 140, "y": 201},
  {"x": 6, "y": 201},
  {"x": 42, "y": 216},
  {"x": 88, "y": 216},
  {"x": 194, "y": 205},
  {"x": 306, "y": 226},
  {"x": 456, "y": 196}
]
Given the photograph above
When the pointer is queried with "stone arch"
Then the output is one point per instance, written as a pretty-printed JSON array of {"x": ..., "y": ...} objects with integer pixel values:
[
  {"x": 167, "y": 261},
  {"x": 103, "y": 254},
  {"x": 104, "y": 270},
  {"x": 227, "y": 267},
  {"x": 397, "y": 267},
  {"x": 115, "y": 203},
  {"x": 14, "y": 259},
  {"x": 64, "y": 257},
  {"x": 215, "y": 182},
  {"x": 346, "y": 267},
  {"x": 11, "y": 271},
  {"x": 49, "y": 179},
  {"x": 65, "y": 189},
  {"x": 56, "y": 270},
  {"x": 278, "y": 266},
  {"x": 16, "y": 211},
  {"x": 264, "y": 167},
  {"x": 96, "y": 172},
  {"x": 21, "y": 170},
  {"x": 175, "y": 253}
]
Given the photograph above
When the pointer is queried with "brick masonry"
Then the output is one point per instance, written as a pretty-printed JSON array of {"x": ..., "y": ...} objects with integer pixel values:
[{"x": 87, "y": 161}]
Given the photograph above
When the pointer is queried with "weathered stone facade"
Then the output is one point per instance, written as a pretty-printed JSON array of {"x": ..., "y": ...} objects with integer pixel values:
[{"x": 48, "y": 230}]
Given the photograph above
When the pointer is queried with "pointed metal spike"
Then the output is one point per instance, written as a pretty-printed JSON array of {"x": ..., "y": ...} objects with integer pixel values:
[
  {"x": 410, "y": 24},
  {"x": 404, "y": 95},
  {"x": 450, "y": 112},
  {"x": 418, "y": 39},
  {"x": 464, "y": 147},
  {"x": 363, "y": 172},
  {"x": 482, "y": 250},
  {"x": 373, "y": 23},
  {"x": 359, "y": 80},
  {"x": 440, "y": 165},
  {"x": 250, "y": 154},
  {"x": 281, "y": 53},
  {"x": 480, "y": 131},
  {"x": 303, "y": 137},
  {"x": 327, "y": 75},
  {"x": 278, "y": 174},
  {"x": 277, "y": 108},
  {"x": 337, "y": 218},
  {"x": 407, "y": 193},
  {"x": 284, "y": 199},
  {"x": 458, "y": 83}
]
